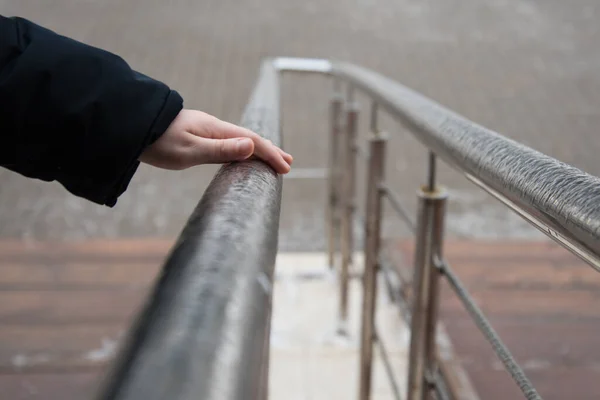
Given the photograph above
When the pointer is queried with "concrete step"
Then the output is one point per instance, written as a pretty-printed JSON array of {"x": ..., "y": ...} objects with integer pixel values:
[{"x": 310, "y": 358}]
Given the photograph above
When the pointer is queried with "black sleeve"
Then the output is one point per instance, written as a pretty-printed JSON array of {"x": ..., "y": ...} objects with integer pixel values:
[{"x": 74, "y": 113}]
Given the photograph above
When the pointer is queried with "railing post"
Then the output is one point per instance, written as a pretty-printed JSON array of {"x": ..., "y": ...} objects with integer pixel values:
[
  {"x": 372, "y": 242},
  {"x": 347, "y": 201},
  {"x": 333, "y": 212},
  {"x": 430, "y": 229}
]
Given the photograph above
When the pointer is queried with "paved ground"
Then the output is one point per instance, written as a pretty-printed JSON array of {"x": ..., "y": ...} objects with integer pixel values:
[
  {"x": 527, "y": 68},
  {"x": 64, "y": 310},
  {"x": 541, "y": 300}
]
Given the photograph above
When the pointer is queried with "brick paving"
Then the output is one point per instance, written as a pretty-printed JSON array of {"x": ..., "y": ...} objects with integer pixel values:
[
  {"x": 64, "y": 308},
  {"x": 540, "y": 299}
]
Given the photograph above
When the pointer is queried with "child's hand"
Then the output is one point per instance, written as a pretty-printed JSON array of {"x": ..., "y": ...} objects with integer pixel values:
[{"x": 195, "y": 138}]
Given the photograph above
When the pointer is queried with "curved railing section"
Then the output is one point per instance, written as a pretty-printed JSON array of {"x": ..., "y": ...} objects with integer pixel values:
[
  {"x": 560, "y": 200},
  {"x": 204, "y": 331}
]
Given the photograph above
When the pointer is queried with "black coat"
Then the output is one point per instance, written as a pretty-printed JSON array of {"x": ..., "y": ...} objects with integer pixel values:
[{"x": 74, "y": 113}]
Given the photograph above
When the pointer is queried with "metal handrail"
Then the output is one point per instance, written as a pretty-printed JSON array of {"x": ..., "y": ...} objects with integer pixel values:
[
  {"x": 558, "y": 199},
  {"x": 204, "y": 333}
]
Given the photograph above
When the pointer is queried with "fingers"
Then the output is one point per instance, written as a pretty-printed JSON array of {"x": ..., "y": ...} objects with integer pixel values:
[
  {"x": 220, "y": 151},
  {"x": 196, "y": 138},
  {"x": 279, "y": 160},
  {"x": 286, "y": 156}
]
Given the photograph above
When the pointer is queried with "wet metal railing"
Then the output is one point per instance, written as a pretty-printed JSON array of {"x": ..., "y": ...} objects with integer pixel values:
[
  {"x": 561, "y": 201},
  {"x": 204, "y": 332}
]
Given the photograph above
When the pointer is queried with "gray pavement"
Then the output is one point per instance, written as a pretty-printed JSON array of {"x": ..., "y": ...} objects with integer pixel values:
[{"x": 526, "y": 68}]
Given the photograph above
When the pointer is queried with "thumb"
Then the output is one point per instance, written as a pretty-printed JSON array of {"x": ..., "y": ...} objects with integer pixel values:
[{"x": 220, "y": 151}]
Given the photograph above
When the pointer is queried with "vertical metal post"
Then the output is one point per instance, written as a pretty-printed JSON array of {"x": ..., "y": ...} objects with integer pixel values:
[
  {"x": 433, "y": 302},
  {"x": 430, "y": 229},
  {"x": 333, "y": 212},
  {"x": 347, "y": 201},
  {"x": 372, "y": 242},
  {"x": 431, "y": 172}
]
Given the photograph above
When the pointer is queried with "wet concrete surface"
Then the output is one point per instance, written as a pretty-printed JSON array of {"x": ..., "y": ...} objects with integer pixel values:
[{"x": 528, "y": 69}]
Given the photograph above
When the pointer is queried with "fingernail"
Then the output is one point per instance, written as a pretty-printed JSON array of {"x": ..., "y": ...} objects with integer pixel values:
[{"x": 244, "y": 146}]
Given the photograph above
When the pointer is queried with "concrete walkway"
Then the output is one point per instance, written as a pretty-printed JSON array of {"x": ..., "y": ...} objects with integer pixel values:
[{"x": 309, "y": 361}]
